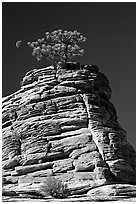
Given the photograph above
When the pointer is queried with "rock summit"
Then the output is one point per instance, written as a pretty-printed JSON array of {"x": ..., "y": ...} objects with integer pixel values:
[{"x": 62, "y": 123}]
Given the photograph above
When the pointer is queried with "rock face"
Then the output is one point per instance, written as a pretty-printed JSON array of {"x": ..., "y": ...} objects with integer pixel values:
[
  {"x": 62, "y": 123},
  {"x": 112, "y": 192}
]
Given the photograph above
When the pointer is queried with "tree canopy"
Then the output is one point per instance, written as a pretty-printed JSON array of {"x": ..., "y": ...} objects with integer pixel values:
[{"x": 58, "y": 46}]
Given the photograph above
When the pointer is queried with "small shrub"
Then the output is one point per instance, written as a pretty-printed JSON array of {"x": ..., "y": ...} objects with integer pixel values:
[{"x": 54, "y": 187}]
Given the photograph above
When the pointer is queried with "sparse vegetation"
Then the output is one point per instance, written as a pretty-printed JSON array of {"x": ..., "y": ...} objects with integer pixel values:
[{"x": 54, "y": 187}]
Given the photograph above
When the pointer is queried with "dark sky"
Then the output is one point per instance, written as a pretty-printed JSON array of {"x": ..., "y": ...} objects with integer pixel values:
[{"x": 110, "y": 29}]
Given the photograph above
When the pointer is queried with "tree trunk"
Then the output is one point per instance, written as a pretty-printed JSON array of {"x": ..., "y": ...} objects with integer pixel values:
[{"x": 66, "y": 54}]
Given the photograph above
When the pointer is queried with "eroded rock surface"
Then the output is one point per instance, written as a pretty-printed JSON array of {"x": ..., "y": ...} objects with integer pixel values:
[
  {"x": 112, "y": 192},
  {"x": 62, "y": 123}
]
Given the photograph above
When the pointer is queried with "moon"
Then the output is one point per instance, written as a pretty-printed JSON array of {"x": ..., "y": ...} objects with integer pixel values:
[{"x": 18, "y": 43}]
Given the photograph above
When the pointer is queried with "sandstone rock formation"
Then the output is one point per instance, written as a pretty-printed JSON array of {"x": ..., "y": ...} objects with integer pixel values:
[{"x": 62, "y": 123}]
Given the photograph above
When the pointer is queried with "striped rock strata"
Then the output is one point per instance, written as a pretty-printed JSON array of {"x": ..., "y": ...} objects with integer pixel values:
[{"x": 62, "y": 123}]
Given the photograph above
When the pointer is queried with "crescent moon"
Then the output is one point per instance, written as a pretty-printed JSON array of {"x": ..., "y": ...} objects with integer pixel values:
[{"x": 18, "y": 43}]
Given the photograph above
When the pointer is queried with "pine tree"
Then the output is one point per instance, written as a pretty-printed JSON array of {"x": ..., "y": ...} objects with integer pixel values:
[{"x": 58, "y": 46}]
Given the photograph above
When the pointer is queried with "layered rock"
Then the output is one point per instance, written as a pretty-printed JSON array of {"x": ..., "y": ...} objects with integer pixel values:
[{"x": 62, "y": 123}]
